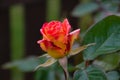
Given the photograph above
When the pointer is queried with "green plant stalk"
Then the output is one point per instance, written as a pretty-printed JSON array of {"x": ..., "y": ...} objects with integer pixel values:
[
  {"x": 63, "y": 63},
  {"x": 53, "y": 9},
  {"x": 17, "y": 33}
]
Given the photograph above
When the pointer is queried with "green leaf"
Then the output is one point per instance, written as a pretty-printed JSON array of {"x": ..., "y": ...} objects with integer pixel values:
[
  {"x": 27, "y": 64},
  {"x": 49, "y": 62},
  {"x": 108, "y": 62},
  {"x": 83, "y": 9},
  {"x": 106, "y": 35},
  {"x": 90, "y": 73},
  {"x": 113, "y": 75}
]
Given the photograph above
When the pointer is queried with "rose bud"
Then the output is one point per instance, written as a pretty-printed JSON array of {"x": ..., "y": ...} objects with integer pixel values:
[{"x": 57, "y": 41}]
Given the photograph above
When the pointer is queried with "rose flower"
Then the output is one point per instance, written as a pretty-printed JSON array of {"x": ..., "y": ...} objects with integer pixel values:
[{"x": 57, "y": 41}]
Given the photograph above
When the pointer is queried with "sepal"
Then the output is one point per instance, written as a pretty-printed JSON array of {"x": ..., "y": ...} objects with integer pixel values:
[
  {"x": 79, "y": 49},
  {"x": 49, "y": 62}
]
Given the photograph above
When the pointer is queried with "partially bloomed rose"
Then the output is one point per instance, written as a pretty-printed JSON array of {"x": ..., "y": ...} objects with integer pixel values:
[{"x": 57, "y": 41}]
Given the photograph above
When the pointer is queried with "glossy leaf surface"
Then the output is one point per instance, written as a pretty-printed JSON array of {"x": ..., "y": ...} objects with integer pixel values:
[
  {"x": 90, "y": 73},
  {"x": 108, "y": 62},
  {"x": 106, "y": 35}
]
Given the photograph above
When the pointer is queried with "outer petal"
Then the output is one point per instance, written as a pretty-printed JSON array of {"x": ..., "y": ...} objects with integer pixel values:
[
  {"x": 43, "y": 44},
  {"x": 72, "y": 36},
  {"x": 66, "y": 26}
]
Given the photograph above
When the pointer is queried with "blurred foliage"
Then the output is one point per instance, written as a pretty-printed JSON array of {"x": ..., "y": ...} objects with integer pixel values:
[
  {"x": 53, "y": 8},
  {"x": 17, "y": 37},
  {"x": 98, "y": 6},
  {"x": 83, "y": 9},
  {"x": 27, "y": 64},
  {"x": 91, "y": 11}
]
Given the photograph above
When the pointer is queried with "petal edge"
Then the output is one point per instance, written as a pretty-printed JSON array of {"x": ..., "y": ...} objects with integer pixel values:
[{"x": 73, "y": 35}]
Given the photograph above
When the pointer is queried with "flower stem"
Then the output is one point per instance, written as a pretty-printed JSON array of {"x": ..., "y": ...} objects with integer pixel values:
[
  {"x": 63, "y": 63},
  {"x": 66, "y": 75},
  {"x": 87, "y": 63}
]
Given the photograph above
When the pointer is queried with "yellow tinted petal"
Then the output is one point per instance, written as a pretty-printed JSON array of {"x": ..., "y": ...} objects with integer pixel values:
[{"x": 56, "y": 52}]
